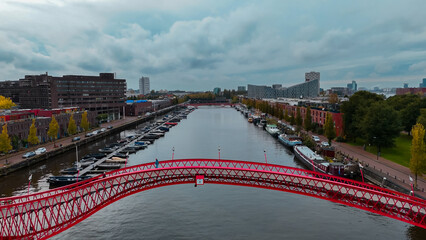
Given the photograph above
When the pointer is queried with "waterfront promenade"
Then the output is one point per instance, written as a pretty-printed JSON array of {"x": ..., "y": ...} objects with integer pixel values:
[{"x": 392, "y": 170}]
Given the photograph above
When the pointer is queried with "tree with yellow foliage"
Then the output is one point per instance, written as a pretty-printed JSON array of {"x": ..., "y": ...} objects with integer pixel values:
[
  {"x": 6, "y": 103},
  {"x": 5, "y": 145},
  {"x": 53, "y": 129},
  {"x": 32, "y": 136},
  {"x": 84, "y": 122},
  {"x": 72, "y": 127},
  {"x": 418, "y": 152}
]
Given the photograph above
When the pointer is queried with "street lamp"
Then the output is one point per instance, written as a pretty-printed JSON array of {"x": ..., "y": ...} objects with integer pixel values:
[
  {"x": 412, "y": 188},
  {"x": 264, "y": 151},
  {"x": 173, "y": 154},
  {"x": 377, "y": 145},
  {"x": 218, "y": 149}
]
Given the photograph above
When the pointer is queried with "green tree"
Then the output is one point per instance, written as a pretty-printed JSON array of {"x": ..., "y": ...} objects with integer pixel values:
[
  {"x": 16, "y": 143},
  {"x": 5, "y": 145},
  {"x": 381, "y": 125},
  {"x": 286, "y": 118},
  {"x": 355, "y": 110},
  {"x": 418, "y": 152},
  {"x": 299, "y": 120},
  {"x": 330, "y": 131},
  {"x": 292, "y": 119},
  {"x": 280, "y": 113},
  {"x": 32, "y": 135},
  {"x": 308, "y": 119},
  {"x": 53, "y": 129},
  {"x": 422, "y": 118},
  {"x": 84, "y": 122},
  {"x": 72, "y": 127},
  {"x": 408, "y": 107}
]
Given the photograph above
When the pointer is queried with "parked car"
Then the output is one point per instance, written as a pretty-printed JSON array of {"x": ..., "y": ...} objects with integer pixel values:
[
  {"x": 109, "y": 127},
  {"x": 40, "y": 150},
  {"x": 89, "y": 134},
  {"x": 28, "y": 155},
  {"x": 325, "y": 144},
  {"x": 102, "y": 130},
  {"x": 316, "y": 138},
  {"x": 75, "y": 139},
  {"x": 12, "y": 151}
]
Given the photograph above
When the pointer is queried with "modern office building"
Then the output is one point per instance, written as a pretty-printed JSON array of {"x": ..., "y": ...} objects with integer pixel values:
[
  {"x": 423, "y": 84},
  {"x": 144, "y": 85},
  {"x": 241, "y": 88},
  {"x": 308, "y": 89},
  {"x": 353, "y": 87},
  {"x": 216, "y": 91},
  {"x": 103, "y": 94},
  {"x": 309, "y": 76},
  {"x": 259, "y": 92},
  {"x": 405, "y": 85}
]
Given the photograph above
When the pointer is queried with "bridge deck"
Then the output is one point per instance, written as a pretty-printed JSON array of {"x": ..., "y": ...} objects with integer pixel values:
[{"x": 47, "y": 213}]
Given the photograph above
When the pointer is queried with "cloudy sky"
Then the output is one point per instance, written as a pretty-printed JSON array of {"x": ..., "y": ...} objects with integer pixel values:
[{"x": 199, "y": 45}]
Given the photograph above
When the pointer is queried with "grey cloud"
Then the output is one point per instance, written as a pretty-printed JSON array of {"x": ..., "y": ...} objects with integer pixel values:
[
  {"x": 6, "y": 56},
  {"x": 254, "y": 42},
  {"x": 38, "y": 64}
]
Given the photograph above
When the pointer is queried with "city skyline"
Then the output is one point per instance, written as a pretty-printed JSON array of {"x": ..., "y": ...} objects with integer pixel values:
[{"x": 199, "y": 45}]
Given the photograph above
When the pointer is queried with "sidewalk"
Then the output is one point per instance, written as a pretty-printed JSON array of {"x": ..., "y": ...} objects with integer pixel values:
[
  {"x": 389, "y": 168},
  {"x": 17, "y": 157}
]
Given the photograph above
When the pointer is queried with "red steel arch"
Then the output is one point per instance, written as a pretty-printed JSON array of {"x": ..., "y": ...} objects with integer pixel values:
[{"x": 45, "y": 214}]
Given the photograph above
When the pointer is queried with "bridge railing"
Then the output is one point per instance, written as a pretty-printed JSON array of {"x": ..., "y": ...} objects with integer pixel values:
[
  {"x": 210, "y": 163},
  {"x": 64, "y": 207}
]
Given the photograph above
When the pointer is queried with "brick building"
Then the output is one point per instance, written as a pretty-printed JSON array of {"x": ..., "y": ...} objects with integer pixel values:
[
  {"x": 103, "y": 94},
  {"x": 138, "y": 107},
  {"x": 402, "y": 91},
  {"x": 318, "y": 115},
  {"x": 19, "y": 127}
]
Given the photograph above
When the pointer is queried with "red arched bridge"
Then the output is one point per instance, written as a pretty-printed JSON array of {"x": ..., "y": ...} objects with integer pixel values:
[{"x": 45, "y": 214}]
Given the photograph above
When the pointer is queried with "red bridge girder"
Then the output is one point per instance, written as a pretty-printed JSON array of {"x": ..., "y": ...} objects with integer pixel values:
[{"x": 45, "y": 214}]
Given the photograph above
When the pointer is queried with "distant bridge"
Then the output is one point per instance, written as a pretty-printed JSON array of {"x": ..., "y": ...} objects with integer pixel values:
[
  {"x": 44, "y": 214},
  {"x": 210, "y": 104}
]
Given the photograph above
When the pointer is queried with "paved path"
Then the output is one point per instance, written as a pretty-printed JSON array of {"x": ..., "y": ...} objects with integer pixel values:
[
  {"x": 17, "y": 157},
  {"x": 381, "y": 164}
]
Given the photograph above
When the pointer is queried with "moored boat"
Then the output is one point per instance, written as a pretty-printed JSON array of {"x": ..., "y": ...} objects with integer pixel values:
[
  {"x": 116, "y": 160},
  {"x": 272, "y": 129},
  {"x": 289, "y": 140},
  {"x": 59, "y": 181},
  {"x": 109, "y": 166},
  {"x": 262, "y": 123},
  {"x": 71, "y": 170},
  {"x": 106, "y": 150},
  {"x": 317, "y": 163}
]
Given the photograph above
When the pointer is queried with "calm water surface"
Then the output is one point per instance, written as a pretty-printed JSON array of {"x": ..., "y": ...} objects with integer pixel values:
[{"x": 218, "y": 211}]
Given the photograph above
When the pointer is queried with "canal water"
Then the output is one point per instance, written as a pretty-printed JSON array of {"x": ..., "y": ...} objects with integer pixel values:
[{"x": 215, "y": 211}]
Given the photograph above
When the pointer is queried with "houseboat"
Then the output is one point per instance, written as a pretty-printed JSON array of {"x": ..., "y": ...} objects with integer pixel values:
[
  {"x": 272, "y": 129},
  {"x": 289, "y": 140},
  {"x": 317, "y": 163}
]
